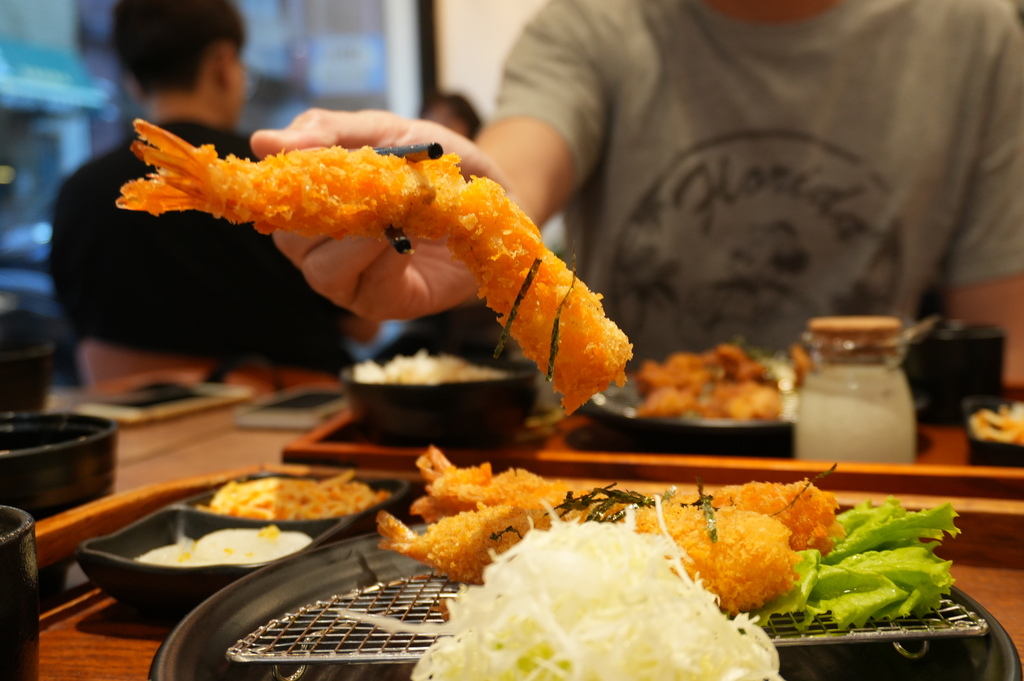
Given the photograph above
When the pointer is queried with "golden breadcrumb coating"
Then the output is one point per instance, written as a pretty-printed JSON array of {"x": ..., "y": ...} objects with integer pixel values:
[
  {"x": 749, "y": 564},
  {"x": 462, "y": 545},
  {"x": 451, "y": 490},
  {"x": 809, "y": 512}
]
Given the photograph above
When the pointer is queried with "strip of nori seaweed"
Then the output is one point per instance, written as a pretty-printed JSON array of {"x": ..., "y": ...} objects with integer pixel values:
[
  {"x": 515, "y": 307},
  {"x": 555, "y": 329}
]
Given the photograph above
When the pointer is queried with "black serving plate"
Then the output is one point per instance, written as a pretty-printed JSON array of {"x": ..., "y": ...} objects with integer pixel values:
[
  {"x": 172, "y": 591},
  {"x": 987, "y": 452},
  {"x": 195, "y": 649},
  {"x": 616, "y": 408}
]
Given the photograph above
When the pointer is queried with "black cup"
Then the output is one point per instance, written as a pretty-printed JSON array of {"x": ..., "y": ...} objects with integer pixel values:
[
  {"x": 955, "y": 360},
  {"x": 19, "y": 596},
  {"x": 26, "y": 372}
]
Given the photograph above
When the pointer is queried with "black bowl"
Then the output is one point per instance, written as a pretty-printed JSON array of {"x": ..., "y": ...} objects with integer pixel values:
[
  {"x": 465, "y": 414},
  {"x": 52, "y": 462},
  {"x": 109, "y": 561},
  {"x": 26, "y": 371},
  {"x": 988, "y": 452}
]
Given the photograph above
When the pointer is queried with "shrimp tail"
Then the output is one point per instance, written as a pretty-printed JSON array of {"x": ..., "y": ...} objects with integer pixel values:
[
  {"x": 396, "y": 536},
  {"x": 433, "y": 464},
  {"x": 183, "y": 178}
]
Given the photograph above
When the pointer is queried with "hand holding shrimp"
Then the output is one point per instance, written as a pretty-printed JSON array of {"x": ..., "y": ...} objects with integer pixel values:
[
  {"x": 338, "y": 193},
  {"x": 376, "y": 282}
]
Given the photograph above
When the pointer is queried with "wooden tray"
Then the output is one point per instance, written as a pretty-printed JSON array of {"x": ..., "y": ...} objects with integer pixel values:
[
  {"x": 578, "y": 447},
  {"x": 86, "y": 634},
  {"x": 58, "y": 536}
]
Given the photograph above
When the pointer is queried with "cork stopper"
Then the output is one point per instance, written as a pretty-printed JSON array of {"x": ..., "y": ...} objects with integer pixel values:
[
  {"x": 867, "y": 330},
  {"x": 855, "y": 336}
]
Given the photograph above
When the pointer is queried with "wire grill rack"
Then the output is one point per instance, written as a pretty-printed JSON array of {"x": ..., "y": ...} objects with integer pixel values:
[
  {"x": 320, "y": 633},
  {"x": 949, "y": 620}
]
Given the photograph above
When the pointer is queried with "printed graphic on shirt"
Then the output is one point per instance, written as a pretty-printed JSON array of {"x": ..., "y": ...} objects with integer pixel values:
[{"x": 750, "y": 235}]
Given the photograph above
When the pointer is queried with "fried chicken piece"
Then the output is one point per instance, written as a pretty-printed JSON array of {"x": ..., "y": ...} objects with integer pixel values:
[
  {"x": 736, "y": 364},
  {"x": 747, "y": 400},
  {"x": 668, "y": 401},
  {"x": 452, "y": 490},
  {"x": 681, "y": 370},
  {"x": 725, "y": 382},
  {"x": 749, "y": 564}
]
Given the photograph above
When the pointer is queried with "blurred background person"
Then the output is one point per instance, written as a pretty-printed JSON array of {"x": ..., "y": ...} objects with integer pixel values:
[
  {"x": 184, "y": 290},
  {"x": 452, "y": 110}
]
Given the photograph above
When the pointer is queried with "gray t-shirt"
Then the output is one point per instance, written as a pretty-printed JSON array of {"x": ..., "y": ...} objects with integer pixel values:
[{"x": 736, "y": 179}]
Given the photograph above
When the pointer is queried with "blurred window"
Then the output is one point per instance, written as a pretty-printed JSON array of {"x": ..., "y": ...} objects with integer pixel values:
[{"x": 62, "y": 101}]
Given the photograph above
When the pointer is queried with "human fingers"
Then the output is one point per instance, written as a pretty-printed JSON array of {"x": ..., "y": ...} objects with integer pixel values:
[
  {"x": 295, "y": 247},
  {"x": 369, "y": 278},
  {"x": 333, "y": 267},
  {"x": 353, "y": 129},
  {"x": 408, "y": 286},
  {"x": 322, "y": 128}
]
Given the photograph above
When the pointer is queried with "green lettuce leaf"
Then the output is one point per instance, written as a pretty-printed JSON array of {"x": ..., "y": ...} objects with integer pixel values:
[
  {"x": 852, "y": 596},
  {"x": 889, "y": 526},
  {"x": 796, "y": 599},
  {"x": 881, "y": 569}
]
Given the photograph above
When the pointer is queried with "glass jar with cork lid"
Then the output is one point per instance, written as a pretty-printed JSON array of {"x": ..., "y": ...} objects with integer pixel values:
[{"x": 855, "y": 403}]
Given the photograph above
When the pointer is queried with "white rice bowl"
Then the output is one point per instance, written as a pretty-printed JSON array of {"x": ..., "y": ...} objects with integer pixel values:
[{"x": 424, "y": 369}]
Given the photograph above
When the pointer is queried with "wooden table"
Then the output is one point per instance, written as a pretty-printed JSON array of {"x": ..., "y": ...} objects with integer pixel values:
[{"x": 87, "y": 635}]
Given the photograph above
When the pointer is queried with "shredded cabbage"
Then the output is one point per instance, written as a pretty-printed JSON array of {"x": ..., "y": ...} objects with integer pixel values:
[{"x": 595, "y": 601}]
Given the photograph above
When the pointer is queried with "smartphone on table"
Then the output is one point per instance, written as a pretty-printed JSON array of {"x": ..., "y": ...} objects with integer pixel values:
[
  {"x": 162, "y": 400},
  {"x": 299, "y": 408}
]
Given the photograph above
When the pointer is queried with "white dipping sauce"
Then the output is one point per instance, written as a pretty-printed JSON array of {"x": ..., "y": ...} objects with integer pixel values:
[{"x": 236, "y": 546}]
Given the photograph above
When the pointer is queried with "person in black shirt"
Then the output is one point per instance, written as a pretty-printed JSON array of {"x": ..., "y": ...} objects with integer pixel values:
[{"x": 182, "y": 288}]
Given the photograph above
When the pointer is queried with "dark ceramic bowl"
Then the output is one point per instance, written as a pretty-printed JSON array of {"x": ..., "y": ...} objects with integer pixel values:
[
  {"x": 109, "y": 561},
  {"x": 471, "y": 413},
  {"x": 52, "y": 462},
  {"x": 26, "y": 371},
  {"x": 988, "y": 452},
  {"x": 19, "y": 596}
]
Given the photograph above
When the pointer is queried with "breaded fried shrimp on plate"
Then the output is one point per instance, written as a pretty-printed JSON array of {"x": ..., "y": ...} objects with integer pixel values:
[
  {"x": 451, "y": 489},
  {"x": 462, "y": 545}
]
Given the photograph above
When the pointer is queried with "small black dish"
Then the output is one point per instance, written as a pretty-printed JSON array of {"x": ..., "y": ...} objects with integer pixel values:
[
  {"x": 462, "y": 414},
  {"x": 52, "y": 462},
  {"x": 109, "y": 561},
  {"x": 989, "y": 452}
]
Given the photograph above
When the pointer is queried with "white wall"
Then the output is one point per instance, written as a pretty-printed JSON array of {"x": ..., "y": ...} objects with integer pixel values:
[{"x": 473, "y": 38}]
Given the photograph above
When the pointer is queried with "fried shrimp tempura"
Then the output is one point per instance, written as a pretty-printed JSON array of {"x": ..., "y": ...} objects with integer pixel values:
[
  {"x": 750, "y": 563},
  {"x": 338, "y": 193},
  {"x": 809, "y": 512},
  {"x": 451, "y": 489},
  {"x": 462, "y": 545}
]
